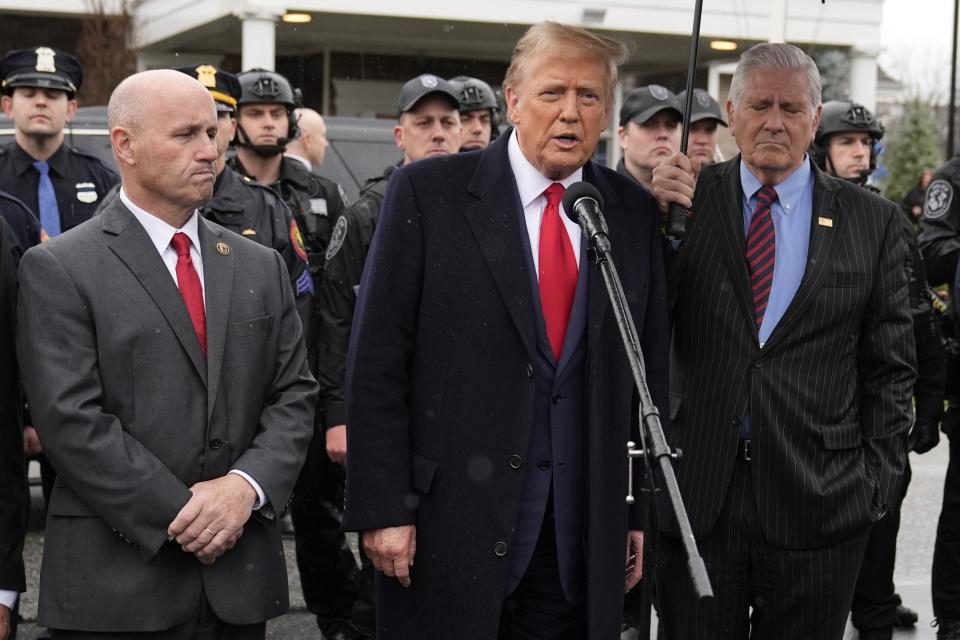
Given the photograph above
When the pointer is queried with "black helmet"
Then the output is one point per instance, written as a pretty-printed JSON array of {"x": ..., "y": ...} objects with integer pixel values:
[
  {"x": 474, "y": 94},
  {"x": 259, "y": 86},
  {"x": 845, "y": 116}
]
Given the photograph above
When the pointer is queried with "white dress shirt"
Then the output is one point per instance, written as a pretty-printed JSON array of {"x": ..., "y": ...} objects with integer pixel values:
[
  {"x": 8, "y": 598},
  {"x": 531, "y": 184},
  {"x": 161, "y": 234}
]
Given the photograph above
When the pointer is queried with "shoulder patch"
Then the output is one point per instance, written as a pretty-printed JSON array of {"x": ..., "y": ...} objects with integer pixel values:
[
  {"x": 938, "y": 199},
  {"x": 296, "y": 239},
  {"x": 337, "y": 236},
  {"x": 318, "y": 206}
]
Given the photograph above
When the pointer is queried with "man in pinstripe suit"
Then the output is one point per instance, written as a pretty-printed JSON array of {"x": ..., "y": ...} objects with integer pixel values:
[{"x": 793, "y": 362}]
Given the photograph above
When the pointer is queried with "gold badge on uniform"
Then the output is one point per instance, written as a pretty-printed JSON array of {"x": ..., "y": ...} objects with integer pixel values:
[
  {"x": 825, "y": 222},
  {"x": 223, "y": 248},
  {"x": 248, "y": 232},
  {"x": 207, "y": 75},
  {"x": 45, "y": 62}
]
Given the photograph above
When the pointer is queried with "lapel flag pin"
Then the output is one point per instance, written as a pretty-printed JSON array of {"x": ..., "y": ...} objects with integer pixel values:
[
  {"x": 825, "y": 222},
  {"x": 223, "y": 248}
]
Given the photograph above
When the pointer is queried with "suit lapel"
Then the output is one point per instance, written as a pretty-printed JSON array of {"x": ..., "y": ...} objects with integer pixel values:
[
  {"x": 218, "y": 273},
  {"x": 819, "y": 253},
  {"x": 494, "y": 221},
  {"x": 729, "y": 194},
  {"x": 133, "y": 246}
]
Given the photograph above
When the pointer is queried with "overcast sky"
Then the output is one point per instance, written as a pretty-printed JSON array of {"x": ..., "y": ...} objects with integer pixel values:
[{"x": 916, "y": 37}]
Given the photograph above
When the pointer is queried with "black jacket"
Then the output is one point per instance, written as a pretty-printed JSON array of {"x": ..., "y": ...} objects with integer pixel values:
[{"x": 337, "y": 293}]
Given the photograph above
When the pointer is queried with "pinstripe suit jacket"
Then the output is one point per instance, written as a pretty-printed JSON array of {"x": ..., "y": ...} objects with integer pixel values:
[{"x": 829, "y": 393}]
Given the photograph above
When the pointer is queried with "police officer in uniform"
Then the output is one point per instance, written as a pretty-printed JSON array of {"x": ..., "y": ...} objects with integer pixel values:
[
  {"x": 266, "y": 122},
  {"x": 61, "y": 184},
  {"x": 845, "y": 146},
  {"x": 429, "y": 125},
  {"x": 705, "y": 122},
  {"x": 649, "y": 131},
  {"x": 479, "y": 113},
  {"x": 245, "y": 207},
  {"x": 940, "y": 243}
]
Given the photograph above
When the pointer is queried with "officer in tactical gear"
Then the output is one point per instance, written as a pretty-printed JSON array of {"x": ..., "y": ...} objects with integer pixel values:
[
  {"x": 479, "y": 113},
  {"x": 940, "y": 242},
  {"x": 245, "y": 207},
  {"x": 266, "y": 121},
  {"x": 845, "y": 147},
  {"x": 846, "y": 142},
  {"x": 429, "y": 125}
]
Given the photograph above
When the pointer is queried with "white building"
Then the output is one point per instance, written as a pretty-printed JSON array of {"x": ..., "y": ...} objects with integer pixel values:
[{"x": 350, "y": 58}]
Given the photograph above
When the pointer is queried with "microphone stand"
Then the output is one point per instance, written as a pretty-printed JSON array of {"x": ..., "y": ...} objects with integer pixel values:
[{"x": 655, "y": 449}]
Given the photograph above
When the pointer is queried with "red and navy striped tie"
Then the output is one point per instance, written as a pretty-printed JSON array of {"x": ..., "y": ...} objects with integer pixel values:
[{"x": 761, "y": 252}]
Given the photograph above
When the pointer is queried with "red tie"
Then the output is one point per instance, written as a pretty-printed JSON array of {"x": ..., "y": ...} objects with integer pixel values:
[
  {"x": 189, "y": 283},
  {"x": 761, "y": 252},
  {"x": 558, "y": 270}
]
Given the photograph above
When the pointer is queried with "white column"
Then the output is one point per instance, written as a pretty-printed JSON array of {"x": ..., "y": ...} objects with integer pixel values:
[
  {"x": 327, "y": 84},
  {"x": 778, "y": 20},
  {"x": 863, "y": 78},
  {"x": 259, "y": 39}
]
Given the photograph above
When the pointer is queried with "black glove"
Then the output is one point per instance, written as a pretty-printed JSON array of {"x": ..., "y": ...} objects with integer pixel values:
[
  {"x": 924, "y": 435},
  {"x": 951, "y": 421}
]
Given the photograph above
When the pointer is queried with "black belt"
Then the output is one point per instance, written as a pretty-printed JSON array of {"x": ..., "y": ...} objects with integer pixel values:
[{"x": 743, "y": 450}]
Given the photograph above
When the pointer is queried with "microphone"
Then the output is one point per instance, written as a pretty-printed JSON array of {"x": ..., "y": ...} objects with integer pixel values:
[{"x": 582, "y": 203}]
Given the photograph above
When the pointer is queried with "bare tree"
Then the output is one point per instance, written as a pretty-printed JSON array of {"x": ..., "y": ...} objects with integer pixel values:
[{"x": 104, "y": 48}]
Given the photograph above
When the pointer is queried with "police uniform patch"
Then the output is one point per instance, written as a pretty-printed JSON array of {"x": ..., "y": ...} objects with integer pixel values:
[
  {"x": 702, "y": 99},
  {"x": 428, "y": 81},
  {"x": 318, "y": 206},
  {"x": 297, "y": 240},
  {"x": 86, "y": 192},
  {"x": 337, "y": 237},
  {"x": 658, "y": 92},
  {"x": 938, "y": 199}
]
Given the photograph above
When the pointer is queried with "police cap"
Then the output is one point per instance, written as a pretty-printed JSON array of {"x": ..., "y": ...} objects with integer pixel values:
[
  {"x": 417, "y": 88},
  {"x": 704, "y": 106},
  {"x": 259, "y": 86},
  {"x": 643, "y": 103},
  {"x": 223, "y": 85},
  {"x": 43, "y": 68}
]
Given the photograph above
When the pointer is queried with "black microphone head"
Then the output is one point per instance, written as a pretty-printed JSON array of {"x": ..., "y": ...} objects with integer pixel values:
[{"x": 576, "y": 191}]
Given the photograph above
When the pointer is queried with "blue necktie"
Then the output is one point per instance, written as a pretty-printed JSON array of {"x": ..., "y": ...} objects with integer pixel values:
[{"x": 47, "y": 201}]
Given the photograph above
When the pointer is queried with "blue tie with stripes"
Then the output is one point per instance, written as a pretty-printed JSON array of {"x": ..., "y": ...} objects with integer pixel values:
[
  {"x": 47, "y": 201},
  {"x": 761, "y": 252}
]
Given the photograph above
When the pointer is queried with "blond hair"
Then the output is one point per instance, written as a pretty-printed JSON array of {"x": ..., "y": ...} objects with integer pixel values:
[{"x": 548, "y": 38}]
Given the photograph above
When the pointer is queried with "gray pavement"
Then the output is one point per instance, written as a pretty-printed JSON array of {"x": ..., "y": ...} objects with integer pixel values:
[{"x": 914, "y": 555}]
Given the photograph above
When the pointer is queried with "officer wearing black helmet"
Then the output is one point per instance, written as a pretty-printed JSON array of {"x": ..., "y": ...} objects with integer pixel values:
[
  {"x": 940, "y": 242},
  {"x": 265, "y": 123},
  {"x": 62, "y": 185},
  {"x": 245, "y": 207},
  {"x": 845, "y": 146},
  {"x": 479, "y": 113},
  {"x": 846, "y": 142}
]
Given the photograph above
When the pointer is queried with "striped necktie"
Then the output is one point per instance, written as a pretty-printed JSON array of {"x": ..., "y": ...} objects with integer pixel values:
[
  {"x": 761, "y": 252},
  {"x": 47, "y": 202}
]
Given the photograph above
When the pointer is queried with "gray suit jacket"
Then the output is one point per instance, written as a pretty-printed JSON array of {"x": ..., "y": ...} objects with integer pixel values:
[
  {"x": 829, "y": 393},
  {"x": 131, "y": 415}
]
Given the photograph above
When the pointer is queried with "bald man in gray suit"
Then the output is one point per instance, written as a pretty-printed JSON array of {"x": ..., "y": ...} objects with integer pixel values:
[{"x": 166, "y": 372}]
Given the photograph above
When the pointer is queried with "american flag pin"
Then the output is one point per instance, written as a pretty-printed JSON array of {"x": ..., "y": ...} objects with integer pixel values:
[{"x": 825, "y": 222}]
